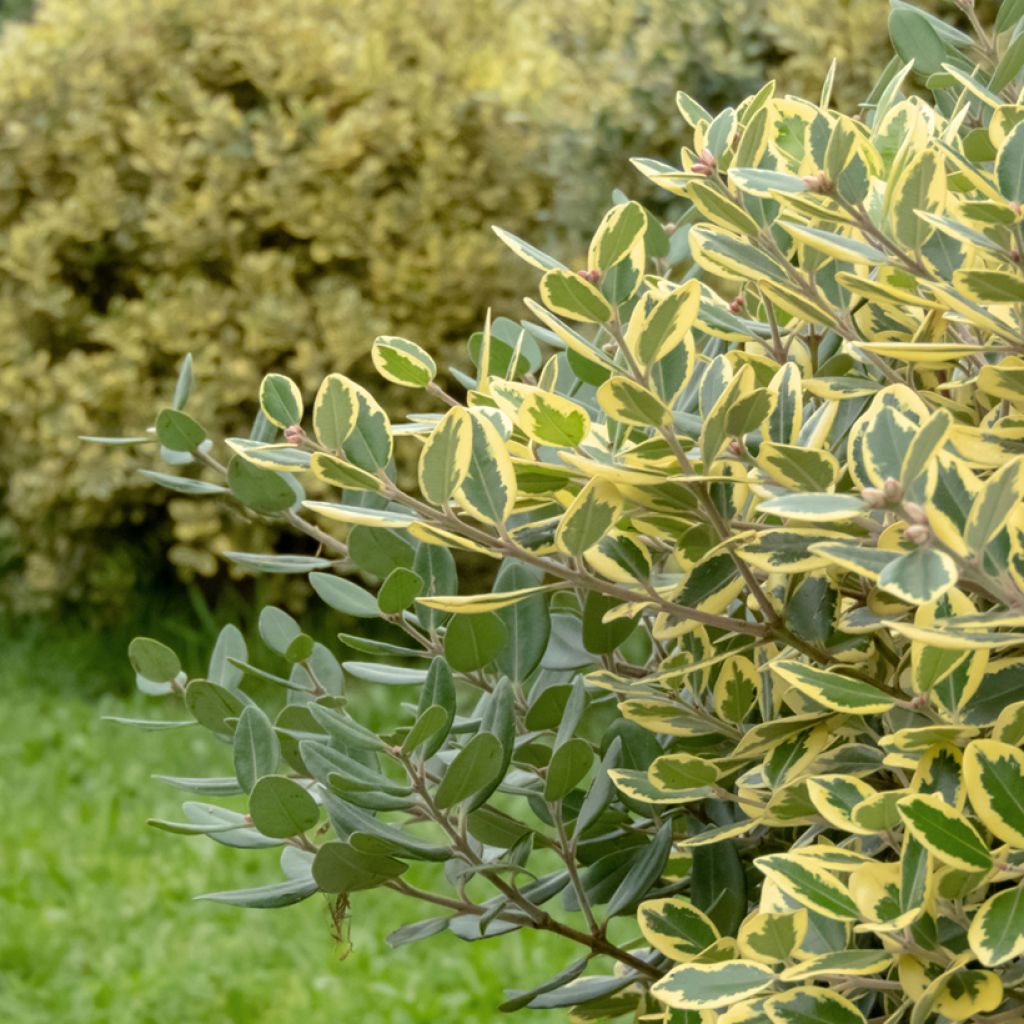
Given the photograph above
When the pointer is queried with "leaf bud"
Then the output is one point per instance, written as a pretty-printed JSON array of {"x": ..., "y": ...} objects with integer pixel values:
[
  {"x": 873, "y": 496},
  {"x": 294, "y": 434}
]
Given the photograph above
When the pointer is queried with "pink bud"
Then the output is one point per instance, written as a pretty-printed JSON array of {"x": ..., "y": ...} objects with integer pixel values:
[
  {"x": 917, "y": 533},
  {"x": 892, "y": 489},
  {"x": 294, "y": 434},
  {"x": 915, "y": 513},
  {"x": 736, "y": 305},
  {"x": 873, "y": 496}
]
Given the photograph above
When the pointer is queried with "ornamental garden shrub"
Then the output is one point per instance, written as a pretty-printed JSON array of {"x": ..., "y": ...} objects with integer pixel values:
[
  {"x": 741, "y": 714},
  {"x": 271, "y": 188}
]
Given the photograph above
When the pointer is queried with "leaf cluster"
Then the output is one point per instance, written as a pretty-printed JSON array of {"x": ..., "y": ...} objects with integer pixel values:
[{"x": 742, "y": 712}]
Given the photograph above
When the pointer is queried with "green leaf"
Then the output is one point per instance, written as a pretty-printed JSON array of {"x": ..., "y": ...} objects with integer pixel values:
[
  {"x": 766, "y": 183},
  {"x": 153, "y": 660},
  {"x": 622, "y": 227},
  {"x": 255, "y": 747},
  {"x": 664, "y": 326},
  {"x": 178, "y": 432},
  {"x": 994, "y": 773},
  {"x": 220, "y": 786},
  {"x": 280, "y": 807},
  {"x": 553, "y": 420},
  {"x": 712, "y": 986},
  {"x": 645, "y": 870},
  {"x": 403, "y": 362},
  {"x": 811, "y": 609},
  {"x": 339, "y": 868},
  {"x": 832, "y": 690},
  {"x": 600, "y": 637},
  {"x": 473, "y": 641},
  {"x": 869, "y": 562},
  {"x": 370, "y": 443},
  {"x": 182, "y": 484},
  {"x": 427, "y": 725},
  {"x": 444, "y": 461},
  {"x": 277, "y": 628},
  {"x": 718, "y": 885},
  {"x": 914, "y": 39},
  {"x": 265, "y": 897},
  {"x": 996, "y": 933},
  {"x": 212, "y": 705},
  {"x": 399, "y": 591},
  {"x": 281, "y": 564},
  {"x": 438, "y": 690},
  {"x": 626, "y": 401},
  {"x": 837, "y": 246},
  {"x": 1003, "y": 491},
  {"x": 919, "y": 577},
  {"x": 681, "y": 771},
  {"x": 986, "y": 286},
  {"x": 811, "y": 886},
  {"x": 945, "y": 832},
  {"x": 676, "y": 928},
  {"x": 567, "y": 769},
  {"x": 280, "y": 400},
  {"x": 527, "y": 622},
  {"x": 477, "y": 765},
  {"x": 389, "y": 675},
  {"x": 591, "y": 515},
  {"x": 1010, "y": 166},
  {"x": 344, "y": 596},
  {"x": 567, "y": 294},
  {"x": 488, "y": 490},
  {"x": 815, "y": 508},
  {"x": 812, "y": 1005},
  {"x": 262, "y": 490},
  {"x": 183, "y": 385},
  {"x": 334, "y": 411},
  {"x": 528, "y": 253},
  {"x": 337, "y": 472}
]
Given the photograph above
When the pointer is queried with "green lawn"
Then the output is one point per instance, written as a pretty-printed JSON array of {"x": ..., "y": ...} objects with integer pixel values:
[{"x": 96, "y": 921}]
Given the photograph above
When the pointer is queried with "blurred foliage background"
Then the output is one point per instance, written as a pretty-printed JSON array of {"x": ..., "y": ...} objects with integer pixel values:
[{"x": 270, "y": 185}]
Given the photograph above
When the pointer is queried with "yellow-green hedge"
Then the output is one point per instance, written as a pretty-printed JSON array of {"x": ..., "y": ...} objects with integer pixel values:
[{"x": 271, "y": 184}]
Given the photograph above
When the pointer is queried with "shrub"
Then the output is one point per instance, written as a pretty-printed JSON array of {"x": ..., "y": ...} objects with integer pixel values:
[
  {"x": 742, "y": 712},
  {"x": 189, "y": 175}
]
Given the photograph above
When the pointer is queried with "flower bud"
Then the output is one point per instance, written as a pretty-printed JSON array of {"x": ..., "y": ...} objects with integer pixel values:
[
  {"x": 892, "y": 489},
  {"x": 915, "y": 513},
  {"x": 736, "y": 305},
  {"x": 873, "y": 496},
  {"x": 294, "y": 434},
  {"x": 736, "y": 446},
  {"x": 1015, "y": 208},
  {"x": 817, "y": 182},
  {"x": 917, "y": 533}
]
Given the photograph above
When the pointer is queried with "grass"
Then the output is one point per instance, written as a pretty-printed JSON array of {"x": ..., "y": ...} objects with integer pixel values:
[{"x": 97, "y": 922}]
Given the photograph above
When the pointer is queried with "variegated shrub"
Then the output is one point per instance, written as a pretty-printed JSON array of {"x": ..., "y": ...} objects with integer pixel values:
[{"x": 741, "y": 715}]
